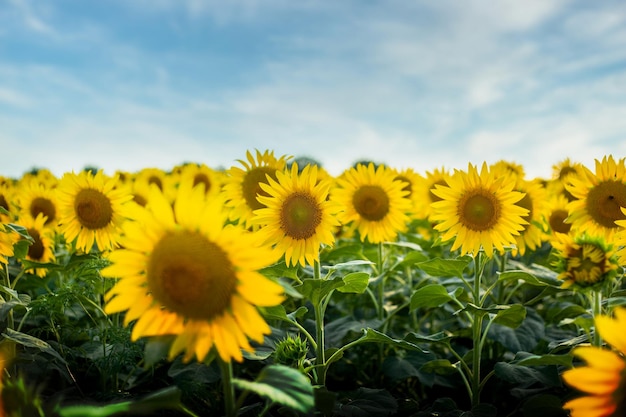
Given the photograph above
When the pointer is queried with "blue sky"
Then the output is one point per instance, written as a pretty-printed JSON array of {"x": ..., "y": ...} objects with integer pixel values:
[{"x": 128, "y": 84}]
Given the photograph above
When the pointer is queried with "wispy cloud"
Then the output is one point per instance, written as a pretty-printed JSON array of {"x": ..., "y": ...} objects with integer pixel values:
[{"x": 422, "y": 84}]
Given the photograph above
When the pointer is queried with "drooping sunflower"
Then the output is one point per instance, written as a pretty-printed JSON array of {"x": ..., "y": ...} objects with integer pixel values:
[
  {"x": 374, "y": 199},
  {"x": 584, "y": 261},
  {"x": 298, "y": 217},
  {"x": 241, "y": 187},
  {"x": 599, "y": 197},
  {"x": 603, "y": 378},
  {"x": 42, "y": 247},
  {"x": 478, "y": 210},
  {"x": 91, "y": 209},
  {"x": 183, "y": 273}
]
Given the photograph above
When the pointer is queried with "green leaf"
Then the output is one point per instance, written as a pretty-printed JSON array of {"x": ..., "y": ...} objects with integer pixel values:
[
  {"x": 511, "y": 317},
  {"x": 438, "y": 267},
  {"x": 283, "y": 385},
  {"x": 355, "y": 282},
  {"x": 32, "y": 342},
  {"x": 167, "y": 398},
  {"x": 439, "y": 366},
  {"x": 528, "y": 359},
  {"x": 280, "y": 270},
  {"x": 371, "y": 335},
  {"x": 315, "y": 290},
  {"x": 367, "y": 402},
  {"x": 432, "y": 295},
  {"x": 350, "y": 264},
  {"x": 526, "y": 376}
]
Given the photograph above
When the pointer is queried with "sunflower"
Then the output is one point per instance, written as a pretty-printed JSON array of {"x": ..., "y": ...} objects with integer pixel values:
[
  {"x": 91, "y": 208},
  {"x": 200, "y": 175},
  {"x": 42, "y": 247},
  {"x": 242, "y": 188},
  {"x": 603, "y": 378},
  {"x": 7, "y": 239},
  {"x": 374, "y": 200},
  {"x": 599, "y": 197},
  {"x": 583, "y": 260},
  {"x": 423, "y": 191},
  {"x": 531, "y": 236},
  {"x": 7, "y": 191},
  {"x": 411, "y": 180},
  {"x": 297, "y": 218},
  {"x": 34, "y": 198},
  {"x": 183, "y": 273},
  {"x": 554, "y": 215},
  {"x": 478, "y": 210}
]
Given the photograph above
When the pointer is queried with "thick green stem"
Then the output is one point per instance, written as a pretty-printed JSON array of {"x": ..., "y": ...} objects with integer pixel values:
[
  {"x": 477, "y": 332},
  {"x": 228, "y": 388},
  {"x": 381, "y": 284},
  {"x": 596, "y": 297},
  {"x": 320, "y": 359}
]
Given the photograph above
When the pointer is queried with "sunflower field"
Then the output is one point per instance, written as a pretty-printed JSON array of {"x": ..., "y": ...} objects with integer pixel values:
[{"x": 273, "y": 288}]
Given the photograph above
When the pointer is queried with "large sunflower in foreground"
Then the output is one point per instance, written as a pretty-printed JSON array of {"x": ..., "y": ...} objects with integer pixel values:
[
  {"x": 242, "y": 186},
  {"x": 584, "y": 261},
  {"x": 478, "y": 210},
  {"x": 183, "y": 273},
  {"x": 91, "y": 209},
  {"x": 297, "y": 218},
  {"x": 374, "y": 199},
  {"x": 599, "y": 197},
  {"x": 603, "y": 378}
]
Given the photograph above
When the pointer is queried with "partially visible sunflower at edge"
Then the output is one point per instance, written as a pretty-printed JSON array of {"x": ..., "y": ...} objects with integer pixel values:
[
  {"x": 241, "y": 185},
  {"x": 92, "y": 209},
  {"x": 599, "y": 198},
  {"x": 478, "y": 210},
  {"x": 298, "y": 217},
  {"x": 374, "y": 200},
  {"x": 187, "y": 275},
  {"x": 603, "y": 378},
  {"x": 584, "y": 261}
]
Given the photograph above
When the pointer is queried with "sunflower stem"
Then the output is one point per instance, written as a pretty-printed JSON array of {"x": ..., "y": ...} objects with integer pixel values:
[
  {"x": 477, "y": 332},
  {"x": 381, "y": 285},
  {"x": 320, "y": 359},
  {"x": 596, "y": 297},
  {"x": 226, "y": 368}
]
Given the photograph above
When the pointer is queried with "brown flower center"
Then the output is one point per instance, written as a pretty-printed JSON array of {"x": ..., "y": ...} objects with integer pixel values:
[
  {"x": 479, "y": 210},
  {"x": 371, "y": 202},
  {"x": 191, "y": 276},
  {"x": 432, "y": 195},
  {"x": 251, "y": 187},
  {"x": 300, "y": 215},
  {"x": 604, "y": 202},
  {"x": 201, "y": 178},
  {"x": 527, "y": 203},
  {"x": 44, "y": 206},
  {"x": 557, "y": 221},
  {"x": 36, "y": 249},
  {"x": 93, "y": 209}
]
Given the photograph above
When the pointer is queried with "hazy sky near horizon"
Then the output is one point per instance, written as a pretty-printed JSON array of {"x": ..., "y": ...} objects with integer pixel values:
[{"x": 129, "y": 84}]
